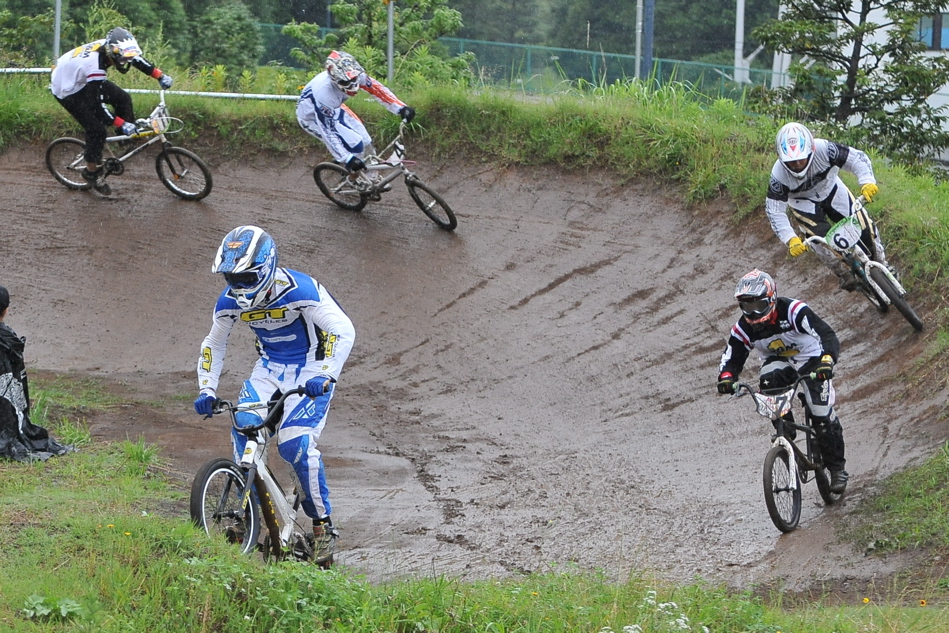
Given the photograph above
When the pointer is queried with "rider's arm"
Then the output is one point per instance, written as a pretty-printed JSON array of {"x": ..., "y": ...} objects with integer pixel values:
[
  {"x": 214, "y": 348},
  {"x": 382, "y": 94},
  {"x": 776, "y": 206},
  {"x": 146, "y": 67},
  {"x": 807, "y": 321},
  {"x": 736, "y": 352},
  {"x": 852, "y": 160},
  {"x": 327, "y": 315}
]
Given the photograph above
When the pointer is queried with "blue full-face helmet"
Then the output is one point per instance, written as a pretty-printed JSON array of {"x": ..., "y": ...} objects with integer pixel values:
[{"x": 247, "y": 258}]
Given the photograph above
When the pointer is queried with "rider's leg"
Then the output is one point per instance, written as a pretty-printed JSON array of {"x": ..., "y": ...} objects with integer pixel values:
[
  {"x": 819, "y": 399},
  {"x": 815, "y": 219},
  {"x": 120, "y": 100}
]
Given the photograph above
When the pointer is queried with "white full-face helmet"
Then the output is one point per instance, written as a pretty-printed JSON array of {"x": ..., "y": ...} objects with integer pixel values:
[
  {"x": 344, "y": 70},
  {"x": 247, "y": 258},
  {"x": 795, "y": 145}
]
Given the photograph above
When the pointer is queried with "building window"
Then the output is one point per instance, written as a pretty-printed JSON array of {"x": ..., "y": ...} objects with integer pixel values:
[{"x": 933, "y": 30}]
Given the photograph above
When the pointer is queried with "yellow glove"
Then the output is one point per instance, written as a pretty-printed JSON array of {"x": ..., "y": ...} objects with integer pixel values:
[
  {"x": 869, "y": 190},
  {"x": 796, "y": 246}
]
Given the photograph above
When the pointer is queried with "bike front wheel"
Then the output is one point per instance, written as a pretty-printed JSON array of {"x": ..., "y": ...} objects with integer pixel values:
[
  {"x": 431, "y": 204},
  {"x": 65, "y": 159},
  {"x": 333, "y": 180},
  {"x": 216, "y": 495},
  {"x": 898, "y": 300},
  {"x": 186, "y": 175},
  {"x": 782, "y": 490}
]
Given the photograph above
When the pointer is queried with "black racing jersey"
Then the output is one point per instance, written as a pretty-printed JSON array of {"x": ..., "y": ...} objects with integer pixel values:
[{"x": 796, "y": 334}]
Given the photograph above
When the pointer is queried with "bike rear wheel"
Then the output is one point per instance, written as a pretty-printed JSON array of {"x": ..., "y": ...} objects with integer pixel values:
[
  {"x": 782, "y": 492},
  {"x": 216, "y": 495},
  {"x": 431, "y": 204},
  {"x": 185, "y": 175},
  {"x": 898, "y": 300},
  {"x": 65, "y": 159},
  {"x": 333, "y": 180},
  {"x": 822, "y": 477}
]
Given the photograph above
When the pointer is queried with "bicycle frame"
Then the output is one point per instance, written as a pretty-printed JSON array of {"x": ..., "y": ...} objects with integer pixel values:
[
  {"x": 160, "y": 121},
  {"x": 278, "y": 509},
  {"x": 843, "y": 240},
  {"x": 775, "y": 407},
  {"x": 395, "y": 165}
]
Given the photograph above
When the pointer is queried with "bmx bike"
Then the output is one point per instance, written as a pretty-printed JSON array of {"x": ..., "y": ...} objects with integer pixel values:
[
  {"x": 242, "y": 500},
  {"x": 354, "y": 190},
  {"x": 874, "y": 280},
  {"x": 787, "y": 466},
  {"x": 180, "y": 170}
]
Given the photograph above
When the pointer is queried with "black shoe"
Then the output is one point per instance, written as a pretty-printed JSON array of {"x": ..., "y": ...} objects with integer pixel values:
[
  {"x": 838, "y": 481},
  {"x": 97, "y": 180}
]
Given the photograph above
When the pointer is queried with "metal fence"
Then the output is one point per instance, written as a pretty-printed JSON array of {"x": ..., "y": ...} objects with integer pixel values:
[{"x": 545, "y": 68}]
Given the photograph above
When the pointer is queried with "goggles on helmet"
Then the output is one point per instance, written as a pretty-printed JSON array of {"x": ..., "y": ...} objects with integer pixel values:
[{"x": 244, "y": 280}]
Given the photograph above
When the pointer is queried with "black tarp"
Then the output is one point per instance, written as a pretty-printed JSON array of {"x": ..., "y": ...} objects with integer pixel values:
[{"x": 20, "y": 439}]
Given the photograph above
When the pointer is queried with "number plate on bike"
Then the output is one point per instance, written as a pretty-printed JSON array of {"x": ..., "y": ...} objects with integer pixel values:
[
  {"x": 772, "y": 407},
  {"x": 844, "y": 235}
]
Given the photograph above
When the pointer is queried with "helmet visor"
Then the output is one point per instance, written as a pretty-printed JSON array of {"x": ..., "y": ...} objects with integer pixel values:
[
  {"x": 754, "y": 307},
  {"x": 348, "y": 85},
  {"x": 244, "y": 281}
]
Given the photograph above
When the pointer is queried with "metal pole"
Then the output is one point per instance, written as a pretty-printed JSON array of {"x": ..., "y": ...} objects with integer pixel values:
[
  {"x": 741, "y": 73},
  {"x": 389, "y": 51},
  {"x": 56, "y": 28},
  {"x": 649, "y": 9},
  {"x": 639, "y": 36}
]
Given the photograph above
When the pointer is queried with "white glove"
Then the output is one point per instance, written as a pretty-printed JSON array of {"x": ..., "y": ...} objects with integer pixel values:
[{"x": 129, "y": 129}]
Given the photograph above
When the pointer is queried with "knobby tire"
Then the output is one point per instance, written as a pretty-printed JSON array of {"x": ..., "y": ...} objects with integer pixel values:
[
  {"x": 65, "y": 160},
  {"x": 432, "y": 204},
  {"x": 215, "y": 506},
  {"x": 333, "y": 181},
  {"x": 782, "y": 495},
  {"x": 898, "y": 300},
  {"x": 184, "y": 173}
]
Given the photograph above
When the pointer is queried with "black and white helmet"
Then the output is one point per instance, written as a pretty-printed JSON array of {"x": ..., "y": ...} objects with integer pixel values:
[
  {"x": 344, "y": 70},
  {"x": 121, "y": 48},
  {"x": 757, "y": 294}
]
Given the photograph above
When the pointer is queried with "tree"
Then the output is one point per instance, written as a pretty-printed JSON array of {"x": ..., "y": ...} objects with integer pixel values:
[
  {"x": 229, "y": 36},
  {"x": 700, "y": 31},
  {"x": 870, "y": 79},
  {"x": 363, "y": 32},
  {"x": 515, "y": 21},
  {"x": 594, "y": 25}
]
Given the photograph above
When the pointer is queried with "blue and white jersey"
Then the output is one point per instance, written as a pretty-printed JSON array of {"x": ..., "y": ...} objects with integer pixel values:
[
  {"x": 320, "y": 102},
  {"x": 301, "y": 325}
]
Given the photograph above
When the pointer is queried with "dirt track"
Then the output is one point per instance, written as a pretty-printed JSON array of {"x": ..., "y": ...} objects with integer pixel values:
[{"x": 534, "y": 389}]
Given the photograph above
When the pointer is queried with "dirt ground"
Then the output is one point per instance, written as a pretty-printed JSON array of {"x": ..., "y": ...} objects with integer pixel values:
[{"x": 532, "y": 391}]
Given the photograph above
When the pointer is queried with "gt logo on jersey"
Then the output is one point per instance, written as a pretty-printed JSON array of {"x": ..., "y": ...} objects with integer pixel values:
[
  {"x": 263, "y": 315},
  {"x": 780, "y": 348},
  {"x": 206, "y": 359}
]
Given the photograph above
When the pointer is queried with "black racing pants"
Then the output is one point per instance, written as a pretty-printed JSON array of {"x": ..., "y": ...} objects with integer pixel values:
[
  {"x": 90, "y": 111},
  {"x": 777, "y": 373}
]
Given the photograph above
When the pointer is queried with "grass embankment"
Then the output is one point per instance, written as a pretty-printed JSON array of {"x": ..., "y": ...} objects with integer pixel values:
[
  {"x": 96, "y": 541},
  {"x": 89, "y": 548}
]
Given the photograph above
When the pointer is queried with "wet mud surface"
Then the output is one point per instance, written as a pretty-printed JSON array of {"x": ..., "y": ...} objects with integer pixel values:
[{"x": 531, "y": 391}]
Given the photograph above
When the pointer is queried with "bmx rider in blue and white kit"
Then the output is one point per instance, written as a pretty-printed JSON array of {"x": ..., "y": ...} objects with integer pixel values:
[{"x": 303, "y": 336}]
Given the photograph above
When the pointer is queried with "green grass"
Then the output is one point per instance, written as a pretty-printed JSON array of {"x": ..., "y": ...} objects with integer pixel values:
[{"x": 98, "y": 540}]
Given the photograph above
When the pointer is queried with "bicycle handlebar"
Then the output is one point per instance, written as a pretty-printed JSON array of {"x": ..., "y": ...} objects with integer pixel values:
[
  {"x": 273, "y": 406},
  {"x": 743, "y": 385}
]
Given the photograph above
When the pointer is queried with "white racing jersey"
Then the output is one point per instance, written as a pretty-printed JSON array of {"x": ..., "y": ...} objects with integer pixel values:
[
  {"x": 321, "y": 100},
  {"x": 816, "y": 187}
]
